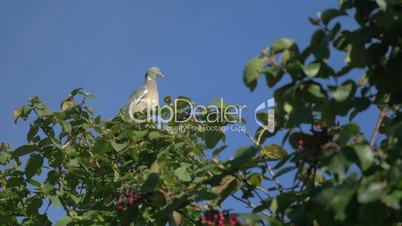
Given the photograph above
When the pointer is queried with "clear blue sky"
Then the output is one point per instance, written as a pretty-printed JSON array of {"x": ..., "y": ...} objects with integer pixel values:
[{"x": 49, "y": 47}]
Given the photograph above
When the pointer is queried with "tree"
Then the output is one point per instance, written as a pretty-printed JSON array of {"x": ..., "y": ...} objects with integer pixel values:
[{"x": 121, "y": 172}]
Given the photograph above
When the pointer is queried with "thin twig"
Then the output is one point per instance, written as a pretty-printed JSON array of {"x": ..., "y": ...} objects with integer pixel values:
[
  {"x": 47, "y": 207},
  {"x": 263, "y": 190},
  {"x": 251, "y": 138},
  {"x": 260, "y": 136},
  {"x": 277, "y": 182},
  {"x": 248, "y": 203},
  {"x": 383, "y": 113},
  {"x": 270, "y": 171}
]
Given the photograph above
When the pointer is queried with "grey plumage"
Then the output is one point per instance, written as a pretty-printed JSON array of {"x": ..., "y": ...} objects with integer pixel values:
[{"x": 146, "y": 96}]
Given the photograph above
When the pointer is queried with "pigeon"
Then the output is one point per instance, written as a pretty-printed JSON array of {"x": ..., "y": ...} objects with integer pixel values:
[{"x": 147, "y": 96}]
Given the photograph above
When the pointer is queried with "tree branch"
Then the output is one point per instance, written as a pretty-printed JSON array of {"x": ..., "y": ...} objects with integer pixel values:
[{"x": 383, "y": 113}]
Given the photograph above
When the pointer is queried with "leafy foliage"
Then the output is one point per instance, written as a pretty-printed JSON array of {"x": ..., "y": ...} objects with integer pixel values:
[{"x": 119, "y": 172}]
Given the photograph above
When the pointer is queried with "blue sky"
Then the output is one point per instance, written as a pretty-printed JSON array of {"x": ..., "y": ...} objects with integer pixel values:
[{"x": 47, "y": 48}]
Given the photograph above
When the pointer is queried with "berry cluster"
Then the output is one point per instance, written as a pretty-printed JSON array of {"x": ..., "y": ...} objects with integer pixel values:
[
  {"x": 127, "y": 198},
  {"x": 311, "y": 145},
  {"x": 219, "y": 219}
]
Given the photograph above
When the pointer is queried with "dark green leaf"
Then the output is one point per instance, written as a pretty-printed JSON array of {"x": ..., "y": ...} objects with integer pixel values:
[
  {"x": 212, "y": 138},
  {"x": 330, "y": 14},
  {"x": 151, "y": 182},
  {"x": 101, "y": 146},
  {"x": 34, "y": 165},
  {"x": 356, "y": 55}
]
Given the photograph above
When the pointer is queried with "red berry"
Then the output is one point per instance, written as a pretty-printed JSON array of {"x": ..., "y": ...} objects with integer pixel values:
[
  {"x": 233, "y": 221},
  {"x": 120, "y": 206},
  {"x": 301, "y": 142},
  {"x": 203, "y": 219}
]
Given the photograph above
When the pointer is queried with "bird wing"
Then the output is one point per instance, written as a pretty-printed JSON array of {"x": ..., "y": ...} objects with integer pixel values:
[{"x": 136, "y": 98}]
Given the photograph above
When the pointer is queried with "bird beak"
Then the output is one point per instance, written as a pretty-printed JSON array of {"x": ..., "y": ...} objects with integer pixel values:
[{"x": 161, "y": 74}]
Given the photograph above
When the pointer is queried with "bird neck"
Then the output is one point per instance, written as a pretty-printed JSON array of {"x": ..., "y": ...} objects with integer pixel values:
[
  {"x": 147, "y": 78},
  {"x": 151, "y": 83}
]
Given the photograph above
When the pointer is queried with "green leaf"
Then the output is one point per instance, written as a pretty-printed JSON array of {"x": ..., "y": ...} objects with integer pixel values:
[
  {"x": 118, "y": 147},
  {"x": 202, "y": 195},
  {"x": 75, "y": 91},
  {"x": 273, "y": 152},
  {"x": 365, "y": 155},
  {"x": 55, "y": 200},
  {"x": 315, "y": 90},
  {"x": 343, "y": 91},
  {"x": 34, "y": 165},
  {"x": 33, "y": 205},
  {"x": 382, "y": 4},
  {"x": 75, "y": 199},
  {"x": 21, "y": 112},
  {"x": 67, "y": 104},
  {"x": 312, "y": 70},
  {"x": 244, "y": 154},
  {"x": 392, "y": 200},
  {"x": 139, "y": 134},
  {"x": 5, "y": 156},
  {"x": 101, "y": 146},
  {"x": 282, "y": 44},
  {"x": 151, "y": 182},
  {"x": 33, "y": 131},
  {"x": 252, "y": 71},
  {"x": 273, "y": 74},
  {"x": 64, "y": 221},
  {"x": 330, "y": 14},
  {"x": 374, "y": 191},
  {"x": 347, "y": 132},
  {"x": 182, "y": 174},
  {"x": 168, "y": 100},
  {"x": 337, "y": 197},
  {"x": 155, "y": 135},
  {"x": 319, "y": 44},
  {"x": 212, "y": 138},
  {"x": 17, "y": 113},
  {"x": 255, "y": 179}
]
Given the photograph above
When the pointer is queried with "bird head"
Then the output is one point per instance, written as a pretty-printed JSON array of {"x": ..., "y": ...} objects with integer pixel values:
[{"x": 153, "y": 72}]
